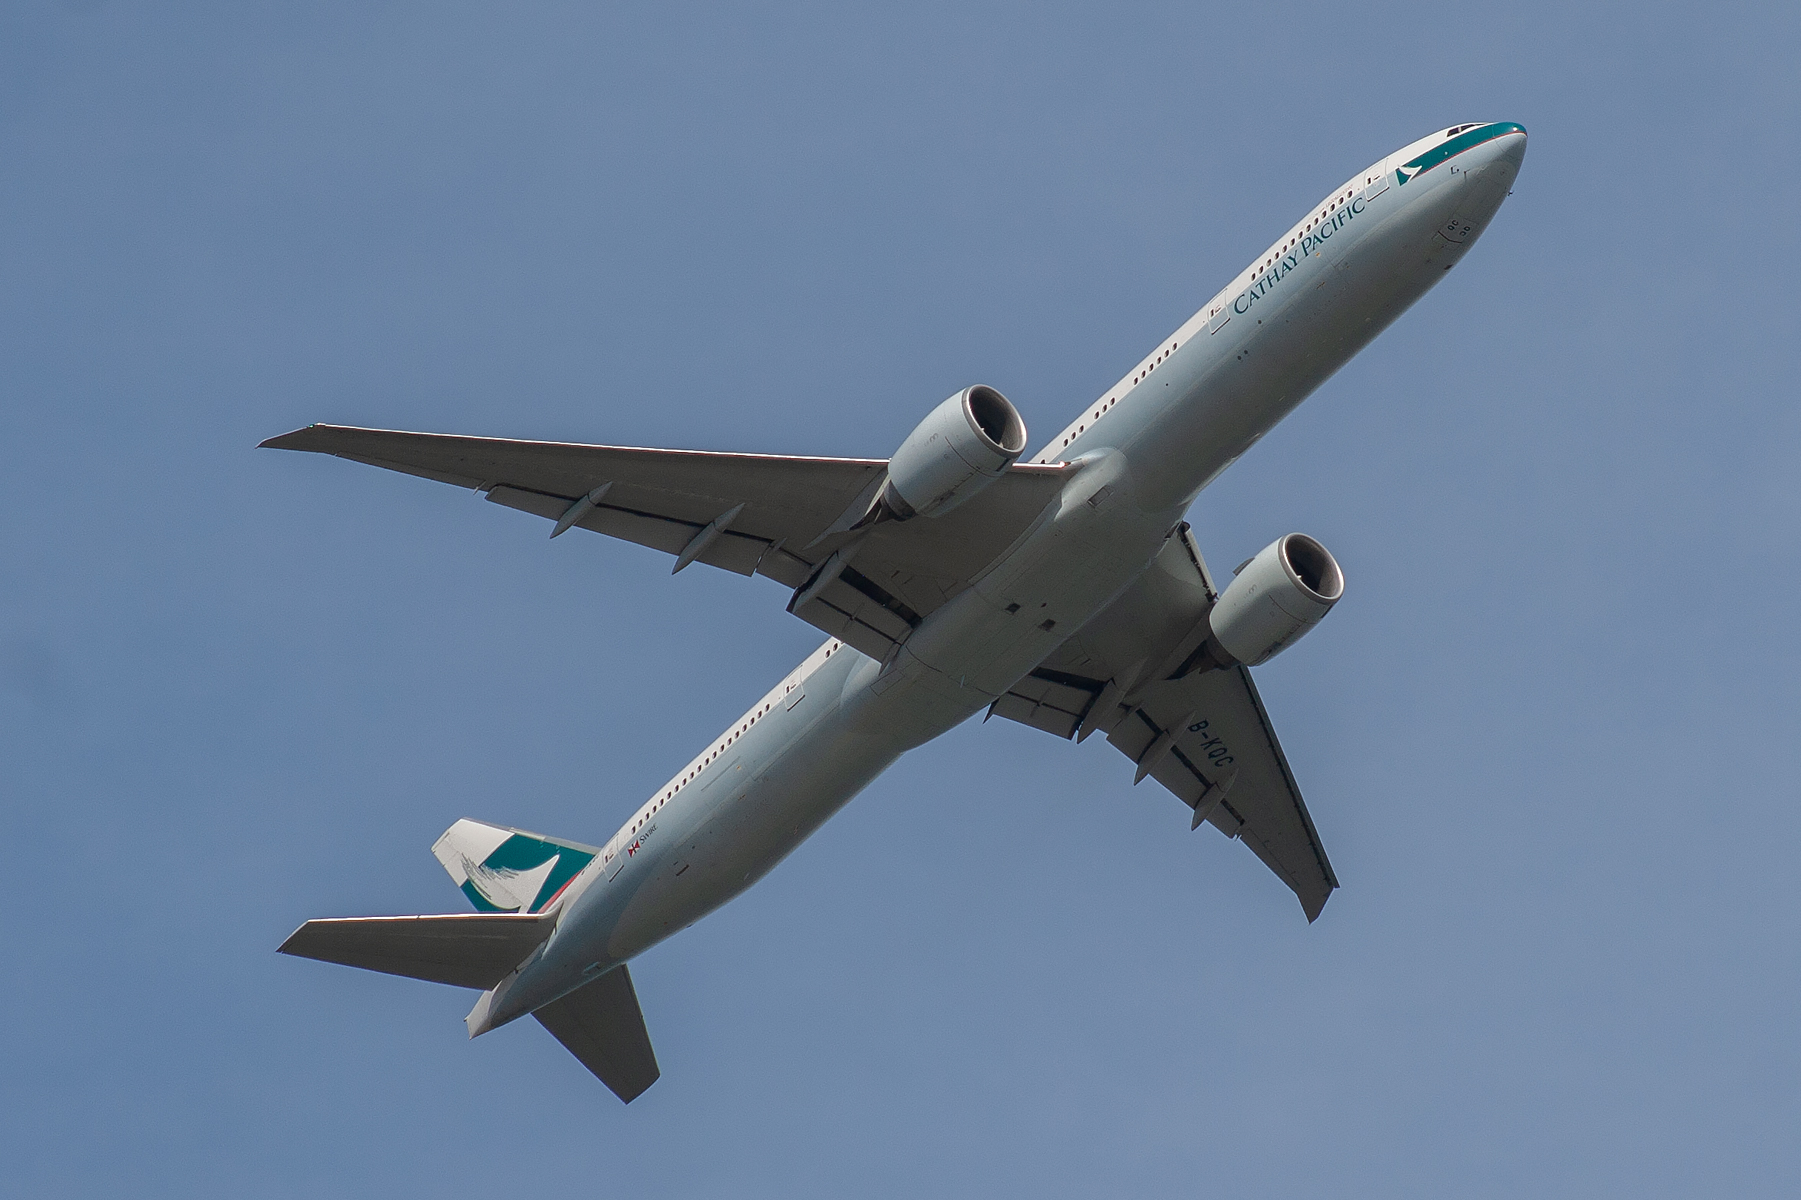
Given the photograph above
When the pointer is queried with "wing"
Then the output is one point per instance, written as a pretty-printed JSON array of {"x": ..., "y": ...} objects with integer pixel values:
[
  {"x": 1205, "y": 735},
  {"x": 790, "y": 519}
]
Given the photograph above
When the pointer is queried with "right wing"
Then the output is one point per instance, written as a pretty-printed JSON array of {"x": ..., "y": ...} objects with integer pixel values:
[
  {"x": 1204, "y": 734},
  {"x": 756, "y": 514}
]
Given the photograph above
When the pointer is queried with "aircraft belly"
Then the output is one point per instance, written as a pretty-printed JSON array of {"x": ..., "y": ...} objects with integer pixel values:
[
  {"x": 1026, "y": 606},
  {"x": 965, "y": 655},
  {"x": 785, "y": 801}
]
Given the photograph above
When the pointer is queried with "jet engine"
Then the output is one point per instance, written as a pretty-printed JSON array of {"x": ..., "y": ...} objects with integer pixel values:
[
  {"x": 964, "y": 445},
  {"x": 1279, "y": 595}
]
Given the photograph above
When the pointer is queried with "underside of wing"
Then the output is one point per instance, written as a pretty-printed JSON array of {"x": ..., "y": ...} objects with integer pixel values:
[
  {"x": 657, "y": 498},
  {"x": 788, "y": 518},
  {"x": 1203, "y": 735},
  {"x": 1207, "y": 739}
]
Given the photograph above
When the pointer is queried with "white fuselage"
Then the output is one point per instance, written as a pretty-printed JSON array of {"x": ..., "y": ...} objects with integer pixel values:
[{"x": 1146, "y": 449}]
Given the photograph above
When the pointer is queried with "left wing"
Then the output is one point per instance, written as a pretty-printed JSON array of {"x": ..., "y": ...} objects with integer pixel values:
[
  {"x": 1203, "y": 735},
  {"x": 788, "y": 518}
]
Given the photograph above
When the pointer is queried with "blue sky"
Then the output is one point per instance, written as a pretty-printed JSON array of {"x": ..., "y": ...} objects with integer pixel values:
[{"x": 1548, "y": 738}]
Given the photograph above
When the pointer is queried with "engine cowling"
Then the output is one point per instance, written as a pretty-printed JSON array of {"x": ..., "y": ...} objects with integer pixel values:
[
  {"x": 1279, "y": 595},
  {"x": 964, "y": 445}
]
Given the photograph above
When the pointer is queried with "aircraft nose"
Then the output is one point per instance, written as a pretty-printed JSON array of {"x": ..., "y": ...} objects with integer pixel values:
[
  {"x": 1480, "y": 179},
  {"x": 1511, "y": 148},
  {"x": 1507, "y": 151},
  {"x": 1489, "y": 170}
]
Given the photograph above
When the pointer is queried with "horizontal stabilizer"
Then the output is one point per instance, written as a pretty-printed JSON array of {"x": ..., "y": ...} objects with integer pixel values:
[
  {"x": 472, "y": 950},
  {"x": 601, "y": 1024}
]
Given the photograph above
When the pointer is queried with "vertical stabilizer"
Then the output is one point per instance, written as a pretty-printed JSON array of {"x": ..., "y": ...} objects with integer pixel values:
[{"x": 509, "y": 870}]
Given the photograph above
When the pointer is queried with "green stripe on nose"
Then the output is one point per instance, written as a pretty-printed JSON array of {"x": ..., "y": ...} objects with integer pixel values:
[{"x": 1452, "y": 147}]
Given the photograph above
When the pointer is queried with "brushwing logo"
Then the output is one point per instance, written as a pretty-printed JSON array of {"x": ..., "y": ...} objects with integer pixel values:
[
  {"x": 509, "y": 889},
  {"x": 509, "y": 870}
]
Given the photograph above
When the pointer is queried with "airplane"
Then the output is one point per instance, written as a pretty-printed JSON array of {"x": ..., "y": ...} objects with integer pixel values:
[{"x": 1065, "y": 592}]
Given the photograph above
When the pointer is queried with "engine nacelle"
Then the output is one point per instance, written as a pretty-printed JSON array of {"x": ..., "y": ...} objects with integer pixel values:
[
  {"x": 966, "y": 443},
  {"x": 1279, "y": 595}
]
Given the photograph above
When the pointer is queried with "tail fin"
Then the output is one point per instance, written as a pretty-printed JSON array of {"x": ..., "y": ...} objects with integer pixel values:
[{"x": 509, "y": 870}]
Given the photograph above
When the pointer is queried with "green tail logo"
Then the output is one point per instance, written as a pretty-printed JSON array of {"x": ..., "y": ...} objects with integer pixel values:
[{"x": 509, "y": 870}]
